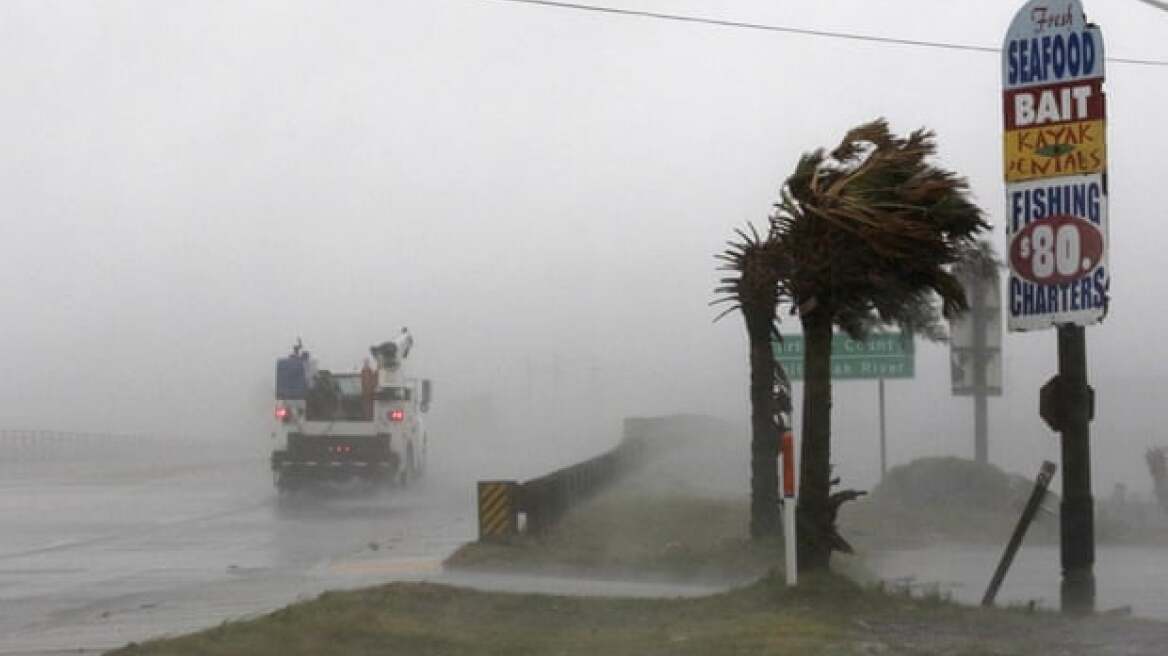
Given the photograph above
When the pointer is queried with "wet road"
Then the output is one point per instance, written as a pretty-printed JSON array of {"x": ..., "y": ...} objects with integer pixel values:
[{"x": 95, "y": 557}]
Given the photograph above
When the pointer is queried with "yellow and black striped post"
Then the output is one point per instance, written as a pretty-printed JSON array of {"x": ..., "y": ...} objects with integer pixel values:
[{"x": 498, "y": 514}]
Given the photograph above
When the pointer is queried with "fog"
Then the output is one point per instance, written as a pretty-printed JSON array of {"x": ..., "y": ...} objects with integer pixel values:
[{"x": 537, "y": 193}]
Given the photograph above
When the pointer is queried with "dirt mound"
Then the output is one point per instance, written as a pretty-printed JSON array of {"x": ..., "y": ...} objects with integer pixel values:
[
  {"x": 945, "y": 500},
  {"x": 952, "y": 483}
]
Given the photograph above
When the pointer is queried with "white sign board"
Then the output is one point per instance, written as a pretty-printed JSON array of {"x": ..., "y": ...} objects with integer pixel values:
[
  {"x": 1055, "y": 162},
  {"x": 989, "y": 306},
  {"x": 962, "y": 368},
  {"x": 986, "y": 303}
]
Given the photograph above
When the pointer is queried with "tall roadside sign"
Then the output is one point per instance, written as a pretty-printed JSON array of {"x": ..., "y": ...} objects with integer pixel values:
[
  {"x": 1055, "y": 162},
  {"x": 975, "y": 348}
]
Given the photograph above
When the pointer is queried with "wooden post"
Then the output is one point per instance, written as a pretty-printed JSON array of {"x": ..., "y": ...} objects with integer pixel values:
[
  {"x": 1036, "y": 496},
  {"x": 1077, "y": 513}
]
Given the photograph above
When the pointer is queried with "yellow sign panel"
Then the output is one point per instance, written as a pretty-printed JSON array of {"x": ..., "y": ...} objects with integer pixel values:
[
  {"x": 497, "y": 510},
  {"x": 1055, "y": 150}
]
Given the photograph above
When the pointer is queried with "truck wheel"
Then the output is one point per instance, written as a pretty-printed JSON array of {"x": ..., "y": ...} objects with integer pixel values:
[
  {"x": 285, "y": 483},
  {"x": 409, "y": 468}
]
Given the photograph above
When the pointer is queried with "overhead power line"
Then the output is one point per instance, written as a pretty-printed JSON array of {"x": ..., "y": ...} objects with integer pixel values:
[
  {"x": 1157, "y": 4},
  {"x": 682, "y": 18}
]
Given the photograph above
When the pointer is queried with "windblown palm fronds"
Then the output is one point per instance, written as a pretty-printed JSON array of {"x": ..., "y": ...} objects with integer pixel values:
[
  {"x": 868, "y": 229},
  {"x": 755, "y": 288}
]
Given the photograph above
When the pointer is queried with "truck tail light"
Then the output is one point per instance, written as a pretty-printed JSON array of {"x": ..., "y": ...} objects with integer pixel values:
[
  {"x": 397, "y": 415},
  {"x": 281, "y": 412}
]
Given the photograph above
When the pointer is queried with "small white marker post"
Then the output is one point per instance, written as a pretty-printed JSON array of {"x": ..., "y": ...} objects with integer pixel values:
[{"x": 789, "y": 505}]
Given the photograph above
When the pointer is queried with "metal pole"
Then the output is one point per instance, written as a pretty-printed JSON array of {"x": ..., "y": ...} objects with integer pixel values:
[
  {"x": 980, "y": 360},
  {"x": 980, "y": 417},
  {"x": 787, "y": 449},
  {"x": 1031, "y": 509},
  {"x": 883, "y": 439},
  {"x": 791, "y": 549},
  {"x": 1077, "y": 513}
]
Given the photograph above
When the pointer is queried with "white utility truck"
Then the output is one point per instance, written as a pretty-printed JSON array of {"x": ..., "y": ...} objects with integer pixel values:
[{"x": 365, "y": 425}]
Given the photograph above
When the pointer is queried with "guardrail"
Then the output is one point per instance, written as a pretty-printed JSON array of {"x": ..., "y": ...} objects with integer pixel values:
[
  {"x": 45, "y": 446},
  {"x": 27, "y": 446},
  {"x": 543, "y": 501}
]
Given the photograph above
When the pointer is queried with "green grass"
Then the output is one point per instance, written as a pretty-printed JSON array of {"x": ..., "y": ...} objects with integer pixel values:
[
  {"x": 420, "y": 618},
  {"x": 825, "y": 615},
  {"x": 634, "y": 533}
]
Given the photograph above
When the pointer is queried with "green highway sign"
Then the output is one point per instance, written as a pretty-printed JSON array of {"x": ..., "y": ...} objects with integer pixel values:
[{"x": 882, "y": 355}]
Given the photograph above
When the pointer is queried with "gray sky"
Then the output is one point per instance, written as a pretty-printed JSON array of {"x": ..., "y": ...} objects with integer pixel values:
[{"x": 537, "y": 193}]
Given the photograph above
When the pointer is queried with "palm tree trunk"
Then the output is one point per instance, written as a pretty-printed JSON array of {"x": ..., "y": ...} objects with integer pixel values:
[
  {"x": 815, "y": 515},
  {"x": 764, "y": 440}
]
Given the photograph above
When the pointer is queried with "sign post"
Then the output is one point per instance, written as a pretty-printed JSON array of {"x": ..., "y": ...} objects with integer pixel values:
[
  {"x": 1055, "y": 155},
  {"x": 883, "y": 434},
  {"x": 789, "y": 502}
]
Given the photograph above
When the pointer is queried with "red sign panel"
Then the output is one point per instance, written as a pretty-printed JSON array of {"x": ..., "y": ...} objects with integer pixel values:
[
  {"x": 1068, "y": 102},
  {"x": 1056, "y": 250}
]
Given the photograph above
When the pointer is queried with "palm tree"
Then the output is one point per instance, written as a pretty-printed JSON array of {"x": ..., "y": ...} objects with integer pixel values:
[
  {"x": 862, "y": 237},
  {"x": 754, "y": 291}
]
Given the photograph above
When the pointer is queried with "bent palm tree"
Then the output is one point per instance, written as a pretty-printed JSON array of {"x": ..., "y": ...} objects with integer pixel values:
[
  {"x": 754, "y": 292},
  {"x": 862, "y": 237}
]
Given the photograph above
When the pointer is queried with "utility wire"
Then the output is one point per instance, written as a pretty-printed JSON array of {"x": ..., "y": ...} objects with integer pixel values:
[
  {"x": 1156, "y": 3},
  {"x": 681, "y": 18}
]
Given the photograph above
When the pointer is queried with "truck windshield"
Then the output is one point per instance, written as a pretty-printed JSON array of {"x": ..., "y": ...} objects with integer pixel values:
[
  {"x": 394, "y": 394},
  {"x": 338, "y": 398}
]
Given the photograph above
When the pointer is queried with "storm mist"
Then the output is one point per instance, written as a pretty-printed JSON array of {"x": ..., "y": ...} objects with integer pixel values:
[{"x": 538, "y": 195}]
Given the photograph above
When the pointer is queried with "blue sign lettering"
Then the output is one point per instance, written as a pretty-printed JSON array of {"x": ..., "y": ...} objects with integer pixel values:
[
  {"x": 1087, "y": 293},
  {"x": 1051, "y": 58},
  {"x": 1083, "y": 199}
]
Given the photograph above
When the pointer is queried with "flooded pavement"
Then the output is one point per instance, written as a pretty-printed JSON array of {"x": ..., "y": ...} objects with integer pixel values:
[
  {"x": 1135, "y": 576},
  {"x": 95, "y": 558}
]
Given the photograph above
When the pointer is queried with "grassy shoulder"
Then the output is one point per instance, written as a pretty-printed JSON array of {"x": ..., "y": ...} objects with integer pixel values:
[
  {"x": 825, "y": 615},
  {"x": 631, "y": 531},
  {"x": 413, "y": 618}
]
